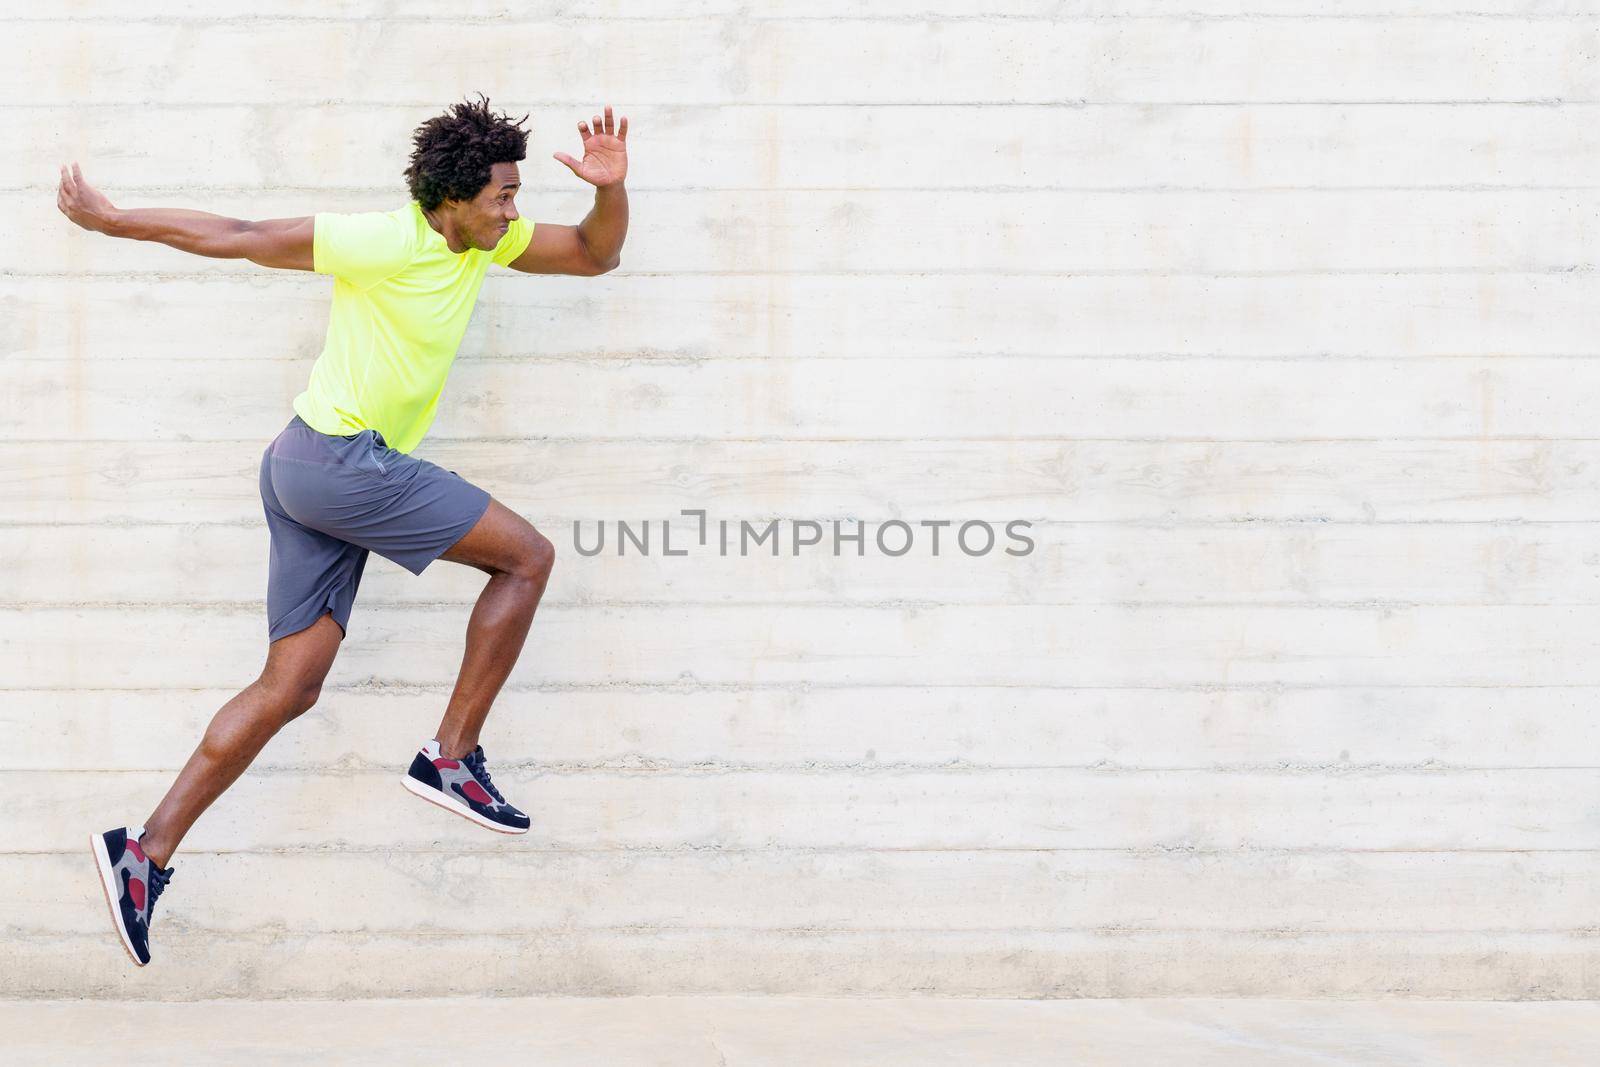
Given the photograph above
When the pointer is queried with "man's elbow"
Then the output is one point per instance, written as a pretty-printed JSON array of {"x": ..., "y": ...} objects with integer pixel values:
[{"x": 604, "y": 266}]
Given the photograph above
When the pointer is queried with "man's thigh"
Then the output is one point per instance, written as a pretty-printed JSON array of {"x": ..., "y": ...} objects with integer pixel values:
[{"x": 501, "y": 540}]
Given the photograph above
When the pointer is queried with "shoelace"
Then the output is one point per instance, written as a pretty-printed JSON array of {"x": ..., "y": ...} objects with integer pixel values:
[
  {"x": 480, "y": 771},
  {"x": 158, "y": 881}
]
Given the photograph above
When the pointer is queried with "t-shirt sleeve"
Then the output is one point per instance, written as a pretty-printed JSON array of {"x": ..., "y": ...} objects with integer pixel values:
[
  {"x": 363, "y": 248},
  {"x": 515, "y": 242}
]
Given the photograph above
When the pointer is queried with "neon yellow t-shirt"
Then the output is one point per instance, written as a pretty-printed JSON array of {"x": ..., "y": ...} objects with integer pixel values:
[{"x": 401, "y": 301}]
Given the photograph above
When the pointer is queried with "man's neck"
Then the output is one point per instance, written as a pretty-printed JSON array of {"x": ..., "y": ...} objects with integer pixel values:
[{"x": 445, "y": 227}]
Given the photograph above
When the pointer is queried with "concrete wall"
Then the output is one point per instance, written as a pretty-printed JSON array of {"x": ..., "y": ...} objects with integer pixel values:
[{"x": 1277, "y": 319}]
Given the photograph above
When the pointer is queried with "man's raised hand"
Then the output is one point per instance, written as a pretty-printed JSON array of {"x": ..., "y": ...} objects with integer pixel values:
[
  {"x": 82, "y": 202},
  {"x": 605, "y": 151}
]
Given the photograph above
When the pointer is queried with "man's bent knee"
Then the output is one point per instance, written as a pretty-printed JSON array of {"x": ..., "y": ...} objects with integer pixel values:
[
  {"x": 290, "y": 697},
  {"x": 503, "y": 542},
  {"x": 534, "y": 558},
  {"x": 298, "y": 702},
  {"x": 538, "y": 559}
]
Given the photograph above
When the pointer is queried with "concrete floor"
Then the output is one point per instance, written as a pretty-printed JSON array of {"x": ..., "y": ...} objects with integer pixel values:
[{"x": 813, "y": 1032}]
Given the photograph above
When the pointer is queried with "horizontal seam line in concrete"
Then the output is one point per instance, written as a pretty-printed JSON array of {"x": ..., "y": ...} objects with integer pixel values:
[
  {"x": 235, "y": 605},
  {"x": 954, "y": 272},
  {"x": 189, "y": 442},
  {"x": 1072, "y": 103},
  {"x": 376, "y": 685},
  {"x": 320, "y": 282},
  {"x": 1238, "y": 522},
  {"x": 1151, "y": 190},
  {"x": 1061, "y": 102},
  {"x": 666, "y": 359},
  {"x": 830, "y": 850},
  {"x": 952, "y": 766},
  {"x": 1069, "y": 103},
  {"x": 275, "y": 933},
  {"x": 743, "y": 17}
]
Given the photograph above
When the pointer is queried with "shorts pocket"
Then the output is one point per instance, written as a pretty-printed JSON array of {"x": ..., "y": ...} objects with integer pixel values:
[
  {"x": 363, "y": 453},
  {"x": 374, "y": 454}
]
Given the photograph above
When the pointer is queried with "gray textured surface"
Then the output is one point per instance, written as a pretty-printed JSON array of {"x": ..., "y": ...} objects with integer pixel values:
[
  {"x": 774, "y": 1032},
  {"x": 1278, "y": 316}
]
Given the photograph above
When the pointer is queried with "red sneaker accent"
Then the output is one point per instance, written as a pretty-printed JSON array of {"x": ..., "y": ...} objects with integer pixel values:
[
  {"x": 136, "y": 891},
  {"x": 476, "y": 792},
  {"x": 453, "y": 764},
  {"x": 138, "y": 853}
]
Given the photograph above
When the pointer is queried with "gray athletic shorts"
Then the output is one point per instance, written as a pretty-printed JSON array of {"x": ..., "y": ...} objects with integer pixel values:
[{"x": 329, "y": 500}]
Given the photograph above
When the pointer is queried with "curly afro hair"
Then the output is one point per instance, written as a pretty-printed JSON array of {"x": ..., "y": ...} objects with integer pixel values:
[{"x": 454, "y": 151}]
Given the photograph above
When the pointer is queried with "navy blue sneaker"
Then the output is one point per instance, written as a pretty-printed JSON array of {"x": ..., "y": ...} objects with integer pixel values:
[
  {"x": 132, "y": 882},
  {"x": 462, "y": 786}
]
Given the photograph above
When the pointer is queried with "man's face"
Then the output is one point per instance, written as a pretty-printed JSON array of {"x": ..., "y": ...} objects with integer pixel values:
[{"x": 484, "y": 218}]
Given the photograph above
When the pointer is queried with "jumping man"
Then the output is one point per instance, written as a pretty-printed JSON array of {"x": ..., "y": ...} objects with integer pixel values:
[{"x": 340, "y": 481}]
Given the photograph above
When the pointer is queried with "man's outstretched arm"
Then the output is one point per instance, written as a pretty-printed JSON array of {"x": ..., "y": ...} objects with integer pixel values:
[
  {"x": 282, "y": 243},
  {"x": 594, "y": 246}
]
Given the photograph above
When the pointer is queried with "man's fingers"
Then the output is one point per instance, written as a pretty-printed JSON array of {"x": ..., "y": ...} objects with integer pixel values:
[
  {"x": 610, "y": 123},
  {"x": 67, "y": 192},
  {"x": 562, "y": 157}
]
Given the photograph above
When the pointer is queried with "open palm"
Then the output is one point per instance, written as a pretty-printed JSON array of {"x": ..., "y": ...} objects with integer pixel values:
[{"x": 605, "y": 151}]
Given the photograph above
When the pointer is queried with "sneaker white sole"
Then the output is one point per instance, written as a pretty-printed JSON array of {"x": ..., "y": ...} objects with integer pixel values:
[
  {"x": 433, "y": 796},
  {"x": 102, "y": 861}
]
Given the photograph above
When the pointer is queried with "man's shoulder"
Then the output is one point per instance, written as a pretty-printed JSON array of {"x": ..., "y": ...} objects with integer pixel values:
[
  {"x": 395, "y": 223},
  {"x": 364, "y": 247}
]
